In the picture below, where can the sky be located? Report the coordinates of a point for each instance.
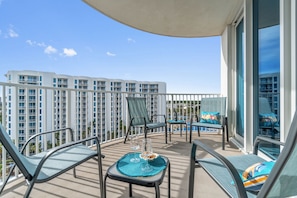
(269, 50)
(70, 37)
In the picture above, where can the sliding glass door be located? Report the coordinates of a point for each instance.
(268, 71)
(240, 79)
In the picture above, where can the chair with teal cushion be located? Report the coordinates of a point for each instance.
(47, 165)
(228, 171)
(139, 117)
(212, 115)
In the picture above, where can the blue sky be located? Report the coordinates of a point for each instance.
(70, 37)
(269, 54)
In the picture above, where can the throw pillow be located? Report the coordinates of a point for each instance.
(210, 117)
(254, 176)
(268, 120)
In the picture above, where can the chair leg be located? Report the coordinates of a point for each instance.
(198, 131)
(169, 180)
(227, 132)
(102, 192)
(30, 187)
(130, 190)
(223, 138)
(186, 132)
(7, 178)
(192, 171)
(157, 188)
(190, 133)
(127, 134)
(167, 135)
(104, 186)
(74, 172)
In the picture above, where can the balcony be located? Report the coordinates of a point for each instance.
(110, 125)
(86, 185)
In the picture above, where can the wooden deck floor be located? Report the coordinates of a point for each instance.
(87, 183)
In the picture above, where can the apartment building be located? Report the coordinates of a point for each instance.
(90, 106)
(270, 88)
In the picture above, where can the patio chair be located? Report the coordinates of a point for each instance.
(139, 117)
(226, 171)
(47, 165)
(267, 119)
(212, 115)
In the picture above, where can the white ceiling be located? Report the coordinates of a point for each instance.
(179, 18)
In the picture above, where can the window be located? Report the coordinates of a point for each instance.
(268, 36)
(240, 79)
(275, 79)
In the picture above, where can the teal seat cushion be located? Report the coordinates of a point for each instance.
(255, 175)
(155, 125)
(61, 160)
(208, 125)
(210, 117)
(268, 120)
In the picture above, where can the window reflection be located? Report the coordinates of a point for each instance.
(269, 73)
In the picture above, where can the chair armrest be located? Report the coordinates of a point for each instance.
(260, 139)
(43, 133)
(52, 151)
(241, 191)
(159, 115)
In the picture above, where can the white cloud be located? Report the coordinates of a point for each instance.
(50, 50)
(69, 52)
(41, 44)
(130, 40)
(30, 42)
(34, 43)
(12, 33)
(110, 54)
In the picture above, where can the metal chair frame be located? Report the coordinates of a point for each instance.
(47, 165)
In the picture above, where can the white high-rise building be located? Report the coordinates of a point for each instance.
(270, 88)
(34, 109)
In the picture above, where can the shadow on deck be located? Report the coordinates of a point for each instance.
(87, 183)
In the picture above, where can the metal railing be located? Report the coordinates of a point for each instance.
(30, 109)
